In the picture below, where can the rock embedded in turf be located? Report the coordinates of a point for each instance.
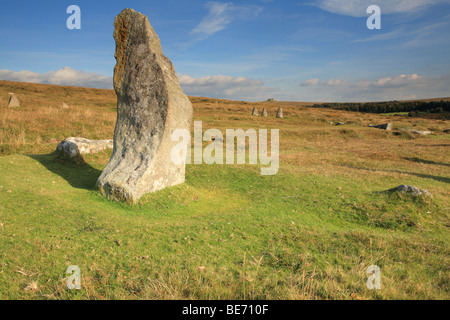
(13, 101)
(405, 189)
(280, 113)
(422, 133)
(386, 126)
(255, 112)
(74, 147)
(150, 106)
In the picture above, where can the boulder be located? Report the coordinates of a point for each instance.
(386, 126)
(280, 113)
(422, 133)
(13, 101)
(405, 189)
(255, 112)
(74, 147)
(150, 106)
(264, 112)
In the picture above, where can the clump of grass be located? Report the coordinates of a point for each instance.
(351, 134)
(404, 134)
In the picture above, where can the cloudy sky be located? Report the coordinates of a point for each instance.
(312, 50)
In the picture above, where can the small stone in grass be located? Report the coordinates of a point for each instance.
(32, 286)
(202, 269)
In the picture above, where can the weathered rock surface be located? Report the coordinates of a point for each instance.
(280, 113)
(405, 189)
(386, 126)
(264, 112)
(13, 101)
(422, 133)
(74, 147)
(255, 112)
(419, 132)
(150, 106)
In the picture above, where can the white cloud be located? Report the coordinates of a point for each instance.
(357, 8)
(227, 87)
(310, 83)
(330, 82)
(335, 82)
(65, 76)
(395, 81)
(398, 87)
(219, 86)
(220, 15)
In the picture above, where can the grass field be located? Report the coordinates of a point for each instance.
(309, 232)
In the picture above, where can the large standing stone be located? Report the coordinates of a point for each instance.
(255, 112)
(150, 106)
(280, 113)
(13, 101)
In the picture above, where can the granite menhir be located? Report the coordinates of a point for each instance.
(150, 106)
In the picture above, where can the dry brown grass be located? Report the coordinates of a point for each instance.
(308, 142)
(39, 124)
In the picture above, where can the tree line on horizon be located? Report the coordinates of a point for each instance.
(414, 108)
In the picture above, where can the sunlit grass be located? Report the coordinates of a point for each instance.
(309, 232)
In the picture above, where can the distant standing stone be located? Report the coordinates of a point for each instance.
(64, 105)
(13, 101)
(150, 106)
(280, 113)
(264, 112)
(255, 112)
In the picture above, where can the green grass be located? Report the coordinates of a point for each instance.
(228, 233)
(309, 232)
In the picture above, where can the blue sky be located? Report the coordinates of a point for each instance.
(313, 50)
